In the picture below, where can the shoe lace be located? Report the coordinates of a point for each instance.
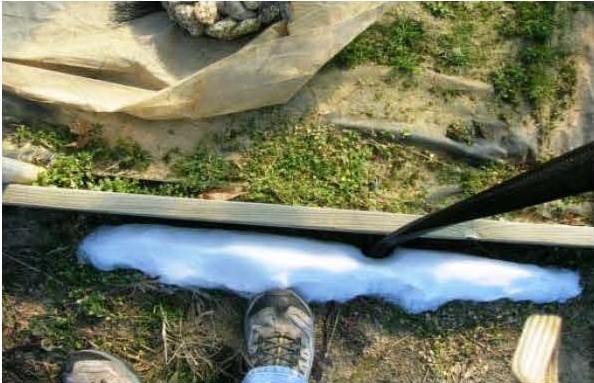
(279, 349)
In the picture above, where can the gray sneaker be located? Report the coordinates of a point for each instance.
(90, 366)
(279, 331)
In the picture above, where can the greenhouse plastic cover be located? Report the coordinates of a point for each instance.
(70, 54)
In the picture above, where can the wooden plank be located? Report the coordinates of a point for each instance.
(269, 215)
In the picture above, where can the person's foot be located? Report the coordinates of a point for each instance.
(279, 331)
(90, 366)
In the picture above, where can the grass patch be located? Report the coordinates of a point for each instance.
(75, 167)
(50, 136)
(398, 45)
(298, 163)
(473, 180)
(456, 49)
(203, 170)
(320, 165)
(126, 154)
(542, 73)
(309, 165)
(121, 312)
(440, 9)
(535, 21)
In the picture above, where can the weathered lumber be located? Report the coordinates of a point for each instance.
(19, 172)
(297, 217)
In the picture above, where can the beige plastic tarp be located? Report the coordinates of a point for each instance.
(72, 55)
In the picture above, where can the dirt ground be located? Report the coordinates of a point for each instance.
(53, 305)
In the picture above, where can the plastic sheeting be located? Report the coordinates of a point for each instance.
(71, 54)
(246, 263)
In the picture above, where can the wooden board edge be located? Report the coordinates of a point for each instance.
(297, 217)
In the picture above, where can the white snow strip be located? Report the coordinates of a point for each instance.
(248, 263)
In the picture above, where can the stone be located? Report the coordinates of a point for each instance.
(222, 29)
(246, 27)
(229, 29)
(183, 14)
(235, 10)
(206, 12)
(251, 5)
(273, 11)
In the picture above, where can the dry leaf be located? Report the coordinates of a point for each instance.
(227, 193)
(83, 130)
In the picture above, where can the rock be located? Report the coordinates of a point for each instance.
(183, 14)
(273, 11)
(222, 29)
(229, 29)
(225, 20)
(247, 26)
(251, 5)
(235, 10)
(206, 12)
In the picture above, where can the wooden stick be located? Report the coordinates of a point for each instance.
(297, 217)
(477, 152)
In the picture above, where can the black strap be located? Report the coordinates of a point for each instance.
(569, 174)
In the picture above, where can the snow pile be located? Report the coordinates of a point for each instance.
(246, 263)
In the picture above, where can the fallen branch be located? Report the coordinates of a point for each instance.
(480, 152)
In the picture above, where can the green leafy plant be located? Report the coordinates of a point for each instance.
(50, 136)
(542, 72)
(398, 44)
(129, 155)
(73, 171)
(202, 170)
(439, 9)
(535, 21)
(309, 165)
(456, 49)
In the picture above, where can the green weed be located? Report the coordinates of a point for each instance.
(73, 171)
(535, 21)
(202, 170)
(509, 83)
(474, 180)
(309, 165)
(440, 9)
(90, 303)
(456, 49)
(50, 136)
(542, 72)
(128, 154)
(398, 44)
(57, 331)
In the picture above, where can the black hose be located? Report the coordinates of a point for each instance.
(566, 175)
